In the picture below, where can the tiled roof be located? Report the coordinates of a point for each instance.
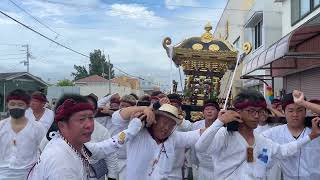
(93, 78)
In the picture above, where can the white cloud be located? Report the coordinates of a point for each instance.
(44, 9)
(119, 29)
(6, 21)
(173, 4)
(85, 2)
(58, 21)
(132, 11)
(60, 8)
(136, 12)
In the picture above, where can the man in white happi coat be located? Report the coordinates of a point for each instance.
(118, 126)
(202, 167)
(264, 124)
(202, 161)
(150, 154)
(99, 134)
(178, 168)
(106, 107)
(19, 139)
(38, 111)
(66, 156)
(243, 154)
(304, 164)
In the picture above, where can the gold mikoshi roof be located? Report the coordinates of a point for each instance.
(205, 48)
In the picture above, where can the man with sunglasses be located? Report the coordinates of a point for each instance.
(304, 164)
(244, 154)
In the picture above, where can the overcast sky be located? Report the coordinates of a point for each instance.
(130, 31)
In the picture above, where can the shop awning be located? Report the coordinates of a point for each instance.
(302, 43)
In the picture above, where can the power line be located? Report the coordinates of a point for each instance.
(11, 54)
(124, 72)
(149, 4)
(73, 5)
(68, 4)
(44, 35)
(125, 13)
(60, 43)
(12, 58)
(138, 77)
(13, 67)
(36, 19)
(4, 44)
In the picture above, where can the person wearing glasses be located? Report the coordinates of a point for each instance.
(244, 154)
(304, 164)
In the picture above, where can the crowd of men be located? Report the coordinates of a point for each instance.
(148, 138)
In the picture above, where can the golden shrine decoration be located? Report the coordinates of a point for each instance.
(204, 61)
(247, 47)
(207, 36)
(214, 47)
(197, 46)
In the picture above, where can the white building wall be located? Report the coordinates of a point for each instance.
(286, 18)
(55, 92)
(271, 33)
(236, 20)
(271, 29)
(99, 89)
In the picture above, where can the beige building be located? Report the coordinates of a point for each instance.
(293, 57)
(100, 86)
(230, 27)
(126, 81)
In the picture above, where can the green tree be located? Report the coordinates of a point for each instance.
(98, 66)
(65, 82)
(80, 73)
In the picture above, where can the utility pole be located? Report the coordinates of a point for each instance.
(4, 95)
(26, 62)
(28, 56)
(109, 77)
(102, 64)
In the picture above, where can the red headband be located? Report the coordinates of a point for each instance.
(39, 98)
(25, 99)
(247, 103)
(130, 102)
(284, 104)
(70, 107)
(315, 101)
(115, 101)
(211, 104)
(175, 101)
(154, 98)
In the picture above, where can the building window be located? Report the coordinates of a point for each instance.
(236, 43)
(316, 3)
(301, 8)
(258, 35)
(305, 7)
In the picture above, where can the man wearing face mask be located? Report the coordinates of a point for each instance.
(19, 138)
